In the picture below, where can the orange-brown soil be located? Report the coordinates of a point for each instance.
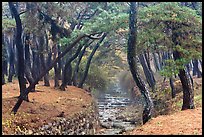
(176, 122)
(187, 122)
(44, 105)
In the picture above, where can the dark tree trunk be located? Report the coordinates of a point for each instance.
(45, 63)
(34, 71)
(15, 51)
(147, 58)
(4, 68)
(56, 77)
(188, 68)
(89, 62)
(196, 70)
(188, 93)
(173, 92)
(35, 66)
(156, 62)
(67, 73)
(160, 60)
(19, 46)
(11, 60)
(27, 50)
(200, 62)
(4, 60)
(131, 56)
(76, 69)
(26, 92)
(42, 60)
(28, 73)
(60, 63)
(149, 76)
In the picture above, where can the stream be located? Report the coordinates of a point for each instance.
(113, 111)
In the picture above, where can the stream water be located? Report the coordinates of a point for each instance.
(111, 103)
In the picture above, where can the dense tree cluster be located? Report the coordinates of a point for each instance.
(64, 40)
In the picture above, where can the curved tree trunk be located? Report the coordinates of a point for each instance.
(67, 73)
(19, 46)
(76, 69)
(187, 83)
(26, 92)
(89, 62)
(28, 73)
(131, 56)
(148, 74)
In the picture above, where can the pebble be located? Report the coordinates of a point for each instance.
(30, 132)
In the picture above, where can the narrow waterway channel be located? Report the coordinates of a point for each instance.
(112, 103)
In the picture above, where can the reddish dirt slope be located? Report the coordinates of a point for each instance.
(187, 122)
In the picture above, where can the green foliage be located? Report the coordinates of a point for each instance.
(155, 24)
(106, 22)
(97, 76)
(172, 67)
(8, 24)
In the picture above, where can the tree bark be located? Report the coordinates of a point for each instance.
(26, 92)
(76, 69)
(89, 62)
(187, 83)
(60, 63)
(42, 59)
(11, 59)
(28, 73)
(148, 74)
(156, 62)
(173, 92)
(196, 70)
(67, 73)
(131, 56)
(19, 46)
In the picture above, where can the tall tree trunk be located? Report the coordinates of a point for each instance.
(173, 92)
(131, 56)
(67, 73)
(156, 62)
(26, 92)
(149, 76)
(28, 73)
(4, 60)
(19, 46)
(89, 62)
(47, 62)
(188, 93)
(196, 70)
(76, 69)
(11, 59)
(60, 63)
(160, 60)
(42, 59)
(56, 76)
(147, 58)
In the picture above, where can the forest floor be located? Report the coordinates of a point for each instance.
(173, 121)
(48, 102)
(45, 105)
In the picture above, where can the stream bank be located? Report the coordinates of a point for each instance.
(119, 110)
